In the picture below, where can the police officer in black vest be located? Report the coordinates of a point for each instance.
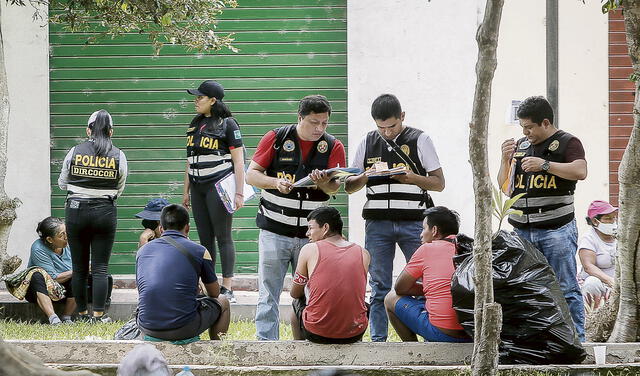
(395, 205)
(284, 156)
(545, 165)
(93, 174)
(214, 151)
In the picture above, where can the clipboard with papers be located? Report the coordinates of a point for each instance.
(226, 188)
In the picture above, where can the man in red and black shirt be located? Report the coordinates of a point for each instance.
(284, 156)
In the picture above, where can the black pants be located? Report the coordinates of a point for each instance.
(214, 225)
(91, 229)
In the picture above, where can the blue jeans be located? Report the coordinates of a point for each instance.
(559, 248)
(381, 237)
(275, 252)
(411, 312)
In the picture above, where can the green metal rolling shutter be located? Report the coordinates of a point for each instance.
(288, 49)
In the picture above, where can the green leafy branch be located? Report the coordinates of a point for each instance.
(502, 207)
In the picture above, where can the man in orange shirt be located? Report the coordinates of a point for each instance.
(431, 315)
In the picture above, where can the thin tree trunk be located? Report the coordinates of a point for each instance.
(626, 326)
(7, 206)
(488, 316)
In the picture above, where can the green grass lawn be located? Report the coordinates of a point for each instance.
(238, 330)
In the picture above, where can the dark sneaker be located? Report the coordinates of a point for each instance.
(84, 318)
(94, 320)
(228, 294)
(104, 319)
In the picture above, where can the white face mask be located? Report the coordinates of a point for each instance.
(608, 228)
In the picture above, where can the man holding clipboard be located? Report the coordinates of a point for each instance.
(284, 156)
(395, 201)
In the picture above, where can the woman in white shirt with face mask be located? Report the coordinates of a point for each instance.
(597, 251)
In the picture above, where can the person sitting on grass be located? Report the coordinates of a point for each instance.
(51, 253)
(167, 274)
(431, 315)
(329, 283)
(151, 220)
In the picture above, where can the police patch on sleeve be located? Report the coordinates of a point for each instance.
(206, 255)
(237, 134)
(554, 145)
(289, 145)
(323, 146)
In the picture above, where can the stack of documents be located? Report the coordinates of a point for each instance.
(380, 169)
(339, 173)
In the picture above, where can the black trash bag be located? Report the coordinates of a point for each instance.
(536, 325)
(129, 331)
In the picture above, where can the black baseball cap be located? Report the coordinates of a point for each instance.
(210, 88)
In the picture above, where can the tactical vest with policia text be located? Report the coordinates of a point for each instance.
(93, 175)
(286, 214)
(208, 152)
(548, 202)
(388, 198)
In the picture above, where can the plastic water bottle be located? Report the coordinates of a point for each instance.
(186, 371)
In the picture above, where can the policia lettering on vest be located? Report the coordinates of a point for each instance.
(545, 165)
(283, 156)
(214, 150)
(395, 205)
(93, 174)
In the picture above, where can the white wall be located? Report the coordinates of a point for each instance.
(26, 47)
(583, 83)
(425, 53)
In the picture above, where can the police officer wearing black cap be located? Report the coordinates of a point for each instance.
(93, 174)
(214, 150)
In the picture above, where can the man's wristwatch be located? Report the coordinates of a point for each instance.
(545, 166)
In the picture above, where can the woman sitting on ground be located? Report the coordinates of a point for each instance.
(51, 253)
(597, 251)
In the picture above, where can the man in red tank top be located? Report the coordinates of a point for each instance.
(431, 315)
(329, 283)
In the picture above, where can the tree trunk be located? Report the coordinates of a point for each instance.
(626, 326)
(488, 316)
(7, 206)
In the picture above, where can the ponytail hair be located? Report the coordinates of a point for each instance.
(100, 124)
(220, 110)
(48, 227)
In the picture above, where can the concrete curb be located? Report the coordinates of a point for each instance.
(255, 353)
(288, 353)
(573, 370)
(241, 282)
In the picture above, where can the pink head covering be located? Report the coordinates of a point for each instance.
(598, 207)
